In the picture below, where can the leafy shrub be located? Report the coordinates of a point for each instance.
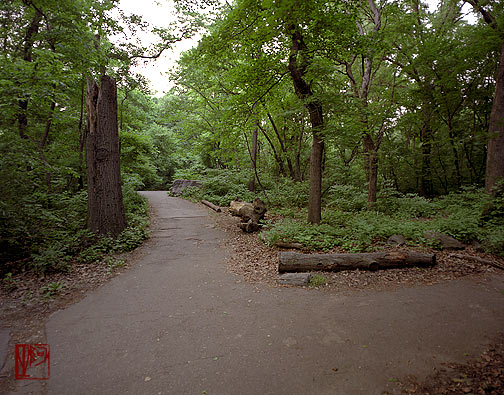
(50, 259)
(319, 237)
(404, 206)
(346, 198)
(222, 186)
(289, 193)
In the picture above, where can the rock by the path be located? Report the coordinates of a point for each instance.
(397, 240)
(179, 185)
(294, 279)
(446, 242)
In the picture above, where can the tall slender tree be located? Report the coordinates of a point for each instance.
(495, 154)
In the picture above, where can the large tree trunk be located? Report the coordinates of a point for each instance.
(297, 69)
(82, 136)
(317, 151)
(495, 154)
(106, 214)
(495, 151)
(296, 262)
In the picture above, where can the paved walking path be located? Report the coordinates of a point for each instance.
(179, 323)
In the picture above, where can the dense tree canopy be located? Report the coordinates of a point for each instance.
(387, 83)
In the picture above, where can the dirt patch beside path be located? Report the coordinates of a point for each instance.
(481, 375)
(258, 264)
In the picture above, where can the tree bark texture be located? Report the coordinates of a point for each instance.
(297, 262)
(106, 215)
(298, 63)
(495, 154)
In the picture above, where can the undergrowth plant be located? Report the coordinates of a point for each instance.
(58, 235)
(347, 222)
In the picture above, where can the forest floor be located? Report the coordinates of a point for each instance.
(26, 302)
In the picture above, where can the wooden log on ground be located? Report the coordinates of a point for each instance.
(211, 205)
(281, 244)
(297, 262)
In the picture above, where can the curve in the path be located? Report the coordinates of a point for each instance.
(179, 323)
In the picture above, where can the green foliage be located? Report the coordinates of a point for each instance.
(50, 290)
(10, 282)
(221, 187)
(457, 214)
(50, 259)
(346, 198)
(393, 202)
(113, 264)
(317, 237)
(317, 280)
(285, 192)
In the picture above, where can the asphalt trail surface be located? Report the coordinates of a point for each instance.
(178, 323)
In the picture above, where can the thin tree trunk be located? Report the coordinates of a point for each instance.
(253, 158)
(82, 137)
(426, 185)
(451, 134)
(299, 173)
(275, 154)
(106, 215)
(29, 40)
(297, 69)
(373, 178)
(495, 155)
(43, 142)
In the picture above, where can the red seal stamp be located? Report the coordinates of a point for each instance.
(32, 361)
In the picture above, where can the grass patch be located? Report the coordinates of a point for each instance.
(317, 280)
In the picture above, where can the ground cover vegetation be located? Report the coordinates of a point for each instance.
(352, 120)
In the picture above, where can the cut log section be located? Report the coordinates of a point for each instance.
(211, 205)
(297, 262)
(250, 213)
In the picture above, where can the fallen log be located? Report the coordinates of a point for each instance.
(297, 262)
(211, 205)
